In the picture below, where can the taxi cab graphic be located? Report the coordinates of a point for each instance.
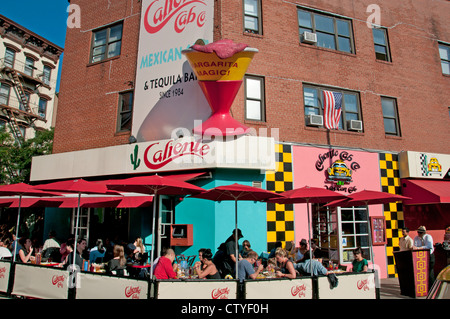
(339, 172)
(434, 166)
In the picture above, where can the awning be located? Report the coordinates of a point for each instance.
(71, 202)
(426, 191)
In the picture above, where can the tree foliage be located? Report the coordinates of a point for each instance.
(15, 159)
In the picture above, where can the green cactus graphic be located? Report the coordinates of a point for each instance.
(135, 161)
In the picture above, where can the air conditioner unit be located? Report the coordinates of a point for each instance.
(314, 120)
(354, 125)
(309, 37)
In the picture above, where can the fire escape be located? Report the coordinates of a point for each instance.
(21, 114)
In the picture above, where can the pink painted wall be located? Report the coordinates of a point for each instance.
(365, 175)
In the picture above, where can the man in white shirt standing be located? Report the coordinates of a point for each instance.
(425, 241)
(406, 242)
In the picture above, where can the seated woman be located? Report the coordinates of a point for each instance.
(360, 264)
(286, 266)
(118, 263)
(26, 250)
(210, 271)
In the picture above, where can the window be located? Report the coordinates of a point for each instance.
(4, 93)
(125, 111)
(10, 56)
(444, 52)
(252, 16)
(313, 96)
(332, 32)
(42, 109)
(340, 230)
(355, 232)
(254, 98)
(29, 66)
(106, 43)
(380, 41)
(390, 116)
(46, 74)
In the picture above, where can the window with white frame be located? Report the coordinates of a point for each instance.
(29, 66)
(333, 32)
(10, 56)
(380, 40)
(46, 74)
(4, 93)
(313, 104)
(390, 116)
(42, 108)
(252, 16)
(338, 231)
(444, 53)
(254, 98)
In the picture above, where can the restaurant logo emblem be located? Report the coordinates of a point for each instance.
(298, 290)
(132, 292)
(58, 281)
(2, 272)
(182, 12)
(430, 167)
(220, 293)
(159, 154)
(340, 171)
(365, 284)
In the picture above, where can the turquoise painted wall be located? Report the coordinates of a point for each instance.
(213, 222)
(57, 219)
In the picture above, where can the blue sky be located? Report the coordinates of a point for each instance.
(47, 18)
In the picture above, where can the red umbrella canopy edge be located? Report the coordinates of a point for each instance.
(75, 186)
(237, 192)
(154, 184)
(24, 189)
(308, 194)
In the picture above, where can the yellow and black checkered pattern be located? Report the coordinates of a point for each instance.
(393, 212)
(280, 217)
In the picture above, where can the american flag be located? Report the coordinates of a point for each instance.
(332, 107)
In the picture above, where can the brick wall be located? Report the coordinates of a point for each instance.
(88, 105)
(87, 109)
(414, 77)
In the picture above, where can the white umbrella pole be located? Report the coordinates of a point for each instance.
(75, 245)
(152, 254)
(17, 229)
(370, 235)
(236, 239)
(309, 234)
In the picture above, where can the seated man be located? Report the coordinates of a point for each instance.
(164, 268)
(304, 268)
(245, 268)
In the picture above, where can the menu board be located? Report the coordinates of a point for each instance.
(378, 226)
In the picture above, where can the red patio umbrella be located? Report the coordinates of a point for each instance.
(154, 185)
(22, 189)
(308, 195)
(366, 198)
(79, 186)
(237, 192)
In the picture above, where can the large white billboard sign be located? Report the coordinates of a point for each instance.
(167, 95)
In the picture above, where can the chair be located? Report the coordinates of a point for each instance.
(190, 260)
(180, 258)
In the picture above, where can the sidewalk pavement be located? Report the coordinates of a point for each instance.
(390, 289)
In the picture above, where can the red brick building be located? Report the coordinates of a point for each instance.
(412, 79)
(390, 62)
